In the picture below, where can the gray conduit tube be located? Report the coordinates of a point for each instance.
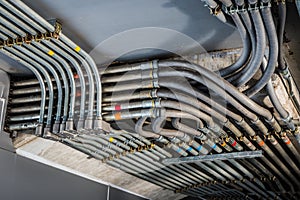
(27, 28)
(246, 48)
(247, 173)
(66, 87)
(71, 44)
(240, 177)
(49, 84)
(273, 53)
(248, 72)
(3, 37)
(228, 176)
(228, 87)
(280, 32)
(88, 149)
(55, 57)
(167, 82)
(285, 116)
(8, 32)
(189, 109)
(255, 120)
(12, 27)
(78, 69)
(94, 68)
(262, 172)
(42, 85)
(285, 156)
(197, 104)
(275, 158)
(54, 73)
(89, 119)
(139, 129)
(137, 156)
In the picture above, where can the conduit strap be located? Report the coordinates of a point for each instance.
(33, 38)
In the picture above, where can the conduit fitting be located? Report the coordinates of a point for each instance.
(279, 1)
(39, 130)
(265, 4)
(289, 122)
(260, 126)
(225, 146)
(56, 126)
(274, 124)
(162, 140)
(88, 124)
(46, 130)
(253, 5)
(69, 124)
(234, 144)
(80, 124)
(246, 127)
(285, 73)
(100, 124)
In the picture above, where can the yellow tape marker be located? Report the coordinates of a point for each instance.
(77, 48)
(51, 53)
(111, 139)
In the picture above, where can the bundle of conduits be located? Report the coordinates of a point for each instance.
(136, 115)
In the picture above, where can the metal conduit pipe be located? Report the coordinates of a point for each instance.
(172, 172)
(7, 32)
(277, 172)
(204, 177)
(78, 69)
(215, 80)
(240, 177)
(248, 72)
(75, 47)
(89, 120)
(291, 146)
(239, 183)
(283, 153)
(189, 109)
(242, 60)
(286, 117)
(175, 136)
(12, 27)
(94, 68)
(122, 162)
(262, 177)
(273, 52)
(247, 173)
(182, 97)
(216, 171)
(147, 142)
(56, 58)
(254, 119)
(266, 148)
(139, 130)
(53, 72)
(39, 126)
(280, 32)
(3, 37)
(197, 104)
(155, 165)
(134, 85)
(49, 84)
(58, 123)
(187, 129)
